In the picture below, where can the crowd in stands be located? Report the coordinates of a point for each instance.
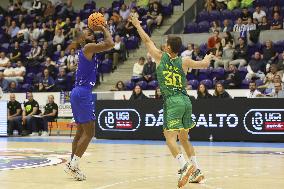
(36, 37)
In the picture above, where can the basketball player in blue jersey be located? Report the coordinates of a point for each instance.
(81, 96)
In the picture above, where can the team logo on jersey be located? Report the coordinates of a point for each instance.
(119, 120)
(264, 121)
(11, 159)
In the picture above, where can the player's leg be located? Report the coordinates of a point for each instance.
(187, 146)
(86, 137)
(173, 111)
(76, 139)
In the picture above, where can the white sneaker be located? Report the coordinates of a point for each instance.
(34, 134)
(75, 172)
(44, 133)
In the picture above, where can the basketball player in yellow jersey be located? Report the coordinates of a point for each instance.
(171, 71)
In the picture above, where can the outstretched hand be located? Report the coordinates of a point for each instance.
(207, 59)
(134, 20)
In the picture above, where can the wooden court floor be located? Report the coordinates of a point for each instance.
(137, 165)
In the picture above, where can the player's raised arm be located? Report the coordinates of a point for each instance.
(152, 49)
(189, 63)
(91, 48)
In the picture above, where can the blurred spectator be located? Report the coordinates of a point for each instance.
(37, 7)
(117, 51)
(220, 91)
(240, 54)
(16, 53)
(210, 5)
(119, 86)
(256, 67)
(226, 26)
(23, 34)
(202, 92)
(134, 12)
(4, 84)
(149, 69)
(72, 61)
(13, 30)
(158, 93)
(103, 11)
(253, 92)
(47, 81)
(233, 78)
(275, 9)
(14, 74)
(3, 61)
(67, 9)
(138, 68)
(239, 26)
(116, 17)
(137, 94)
(34, 32)
(269, 54)
(67, 28)
(62, 61)
(154, 15)
(258, 13)
(46, 51)
(227, 57)
(280, 63)
(227, 40)
(124, 12)
(79, 24)
(112, 27)
(50, 113)
(264, 25)
(250, 26)
(12, 87)
(49, 10)
(269, 78)
(18, 8)
(61, 80)
(50, 65)
(14, 116)
(49, 32)
(197, 55)
(31, 108)
(34, 55)
(276, 23)
(245, 15)
(279, 92)
(20, 20)
(188, 52)
(215, 26)
(58, 39)
(59, 24)
(213, 40)
(221, 5)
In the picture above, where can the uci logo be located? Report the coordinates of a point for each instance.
(264, 121)
(119, 120)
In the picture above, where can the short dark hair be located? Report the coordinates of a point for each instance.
(142, 58)
(175, 43)
(252, 81)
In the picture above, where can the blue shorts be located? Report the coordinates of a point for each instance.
(82, 105)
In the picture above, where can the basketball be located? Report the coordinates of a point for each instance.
(96, 19)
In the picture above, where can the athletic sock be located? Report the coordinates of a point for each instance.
(75, 161)
(194, 161)
(181, 160)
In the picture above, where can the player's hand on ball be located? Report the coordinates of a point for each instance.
(99, 28)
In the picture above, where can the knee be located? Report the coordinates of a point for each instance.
(183, 139)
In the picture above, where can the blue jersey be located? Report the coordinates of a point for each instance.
(86, 74)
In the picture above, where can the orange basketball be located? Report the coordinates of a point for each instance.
(96, 19)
